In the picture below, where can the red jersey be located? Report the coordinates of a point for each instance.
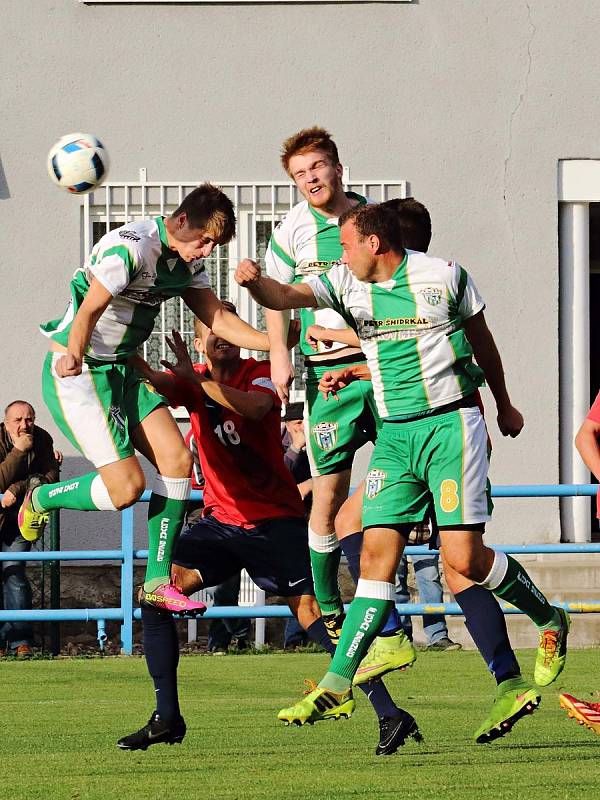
(594, 412)
(246, 480)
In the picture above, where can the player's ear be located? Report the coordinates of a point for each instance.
(339, 170)
(198, 345)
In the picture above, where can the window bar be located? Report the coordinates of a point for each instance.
(254, 223)
(87, 226)
(107, 208)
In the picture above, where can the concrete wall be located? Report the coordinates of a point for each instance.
(472, 103)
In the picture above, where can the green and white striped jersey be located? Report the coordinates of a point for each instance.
(410, 329)
(306, 243)
(135, 264)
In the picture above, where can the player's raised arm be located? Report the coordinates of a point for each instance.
(270, 293)
(209, 309)
(510, 420)
(94, 305)
(282, 369)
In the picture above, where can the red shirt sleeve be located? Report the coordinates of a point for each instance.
(594, 412)
(259, 380)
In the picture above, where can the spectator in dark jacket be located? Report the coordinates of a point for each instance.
(25, 451)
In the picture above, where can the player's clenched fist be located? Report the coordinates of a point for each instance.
(68, 366)
(247, 272)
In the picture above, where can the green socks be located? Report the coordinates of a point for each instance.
(166, 513)
(86, 493)
(325, 556)
(510, 581)
(366, 616)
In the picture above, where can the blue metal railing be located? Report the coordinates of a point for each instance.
(126, 556)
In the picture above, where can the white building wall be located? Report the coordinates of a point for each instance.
(472, 103)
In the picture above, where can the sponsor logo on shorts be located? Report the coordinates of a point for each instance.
(117, 417)
(325, 434)
(374, 482)
(432, 295)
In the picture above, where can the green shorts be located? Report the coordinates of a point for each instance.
(98, 409)
(336, 429)
(442, 459)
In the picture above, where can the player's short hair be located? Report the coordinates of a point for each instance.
(414, 221)
(375, 219)
(19, 403)
(207, 207)
(306, 140)
(199, 325)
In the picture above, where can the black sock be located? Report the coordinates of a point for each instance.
(351, 547)
(375, 690)
(161, 648)
(486, 623)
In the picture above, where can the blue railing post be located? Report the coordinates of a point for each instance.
(127, 581)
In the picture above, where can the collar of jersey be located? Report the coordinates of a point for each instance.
(327, 220)
(392, 281)
(162, 232)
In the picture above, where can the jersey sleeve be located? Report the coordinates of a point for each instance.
(469, 301)
(279, 259)
(114, 265)
(594, 412)
(259, 380)
(331, 288)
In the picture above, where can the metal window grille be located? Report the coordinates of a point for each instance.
(258, 207)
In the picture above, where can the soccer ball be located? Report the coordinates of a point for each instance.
(78, 163)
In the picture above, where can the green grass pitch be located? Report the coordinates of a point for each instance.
(61, 719)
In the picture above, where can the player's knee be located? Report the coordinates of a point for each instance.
(128, 492)
(179, 463)
(348, 520)
(468, 566)
(307, 611)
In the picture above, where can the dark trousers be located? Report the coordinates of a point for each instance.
(16, 589)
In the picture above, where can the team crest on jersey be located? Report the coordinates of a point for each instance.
(374, 482)
(325, 434)
(432, 295)
(116, 415)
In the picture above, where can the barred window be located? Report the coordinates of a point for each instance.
(258, 207)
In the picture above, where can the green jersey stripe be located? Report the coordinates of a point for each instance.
(279, 251)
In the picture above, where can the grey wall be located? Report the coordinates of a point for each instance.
(473, 103)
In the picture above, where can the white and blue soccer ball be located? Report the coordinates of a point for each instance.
(78, 163)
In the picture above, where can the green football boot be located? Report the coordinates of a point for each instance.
(514, 699)
(386, 654)
(318, 704)
(552, 652)
(31, 523)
